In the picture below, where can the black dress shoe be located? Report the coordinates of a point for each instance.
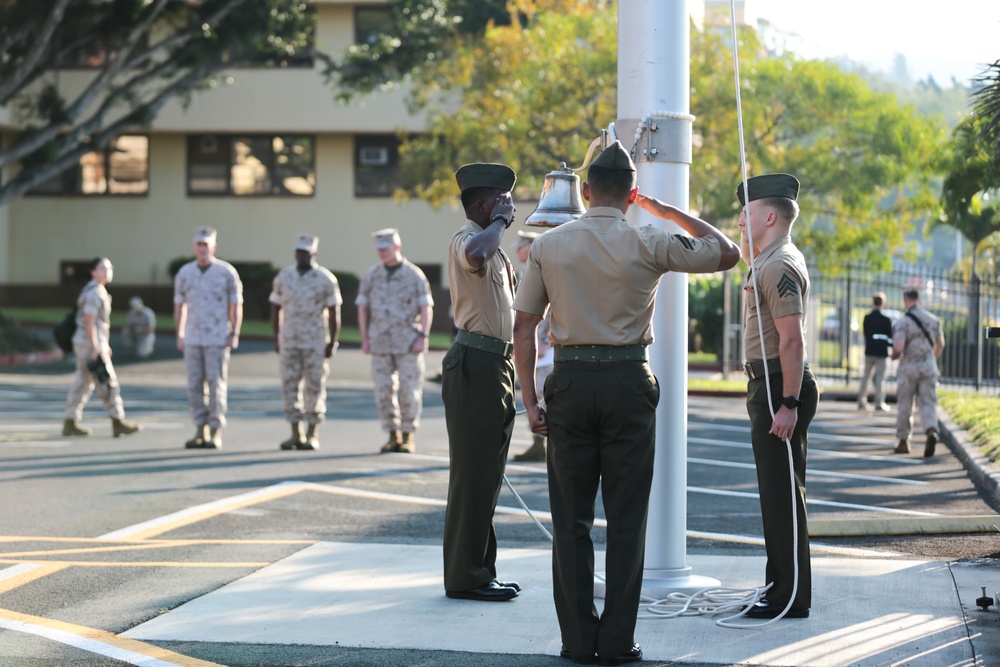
(491, 592)
(634, 655)
(766, 609)
(508, 584)
(578, 659)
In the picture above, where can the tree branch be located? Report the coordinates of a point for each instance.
(29, 63)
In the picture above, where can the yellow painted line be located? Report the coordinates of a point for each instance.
(98, 642)
(29, 572)
(164, 524)
(98, 540)
(91, 563)
(935, 525)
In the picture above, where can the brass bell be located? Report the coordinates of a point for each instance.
(560, 201)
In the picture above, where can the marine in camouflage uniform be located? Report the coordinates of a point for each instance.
(139, 332)
(395, 307)
(916, 341)
(90, 346)
(305, 315)
(208, 311)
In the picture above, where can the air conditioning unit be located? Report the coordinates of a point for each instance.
(373, 156)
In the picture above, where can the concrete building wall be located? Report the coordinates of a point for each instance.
(142, 234)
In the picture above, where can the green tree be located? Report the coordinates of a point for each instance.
(987, 104)
(526, 93)
(143, 54)
(865, 161)
(971, 186)
(528, 111)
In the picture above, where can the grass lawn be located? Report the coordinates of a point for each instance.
(979, 415)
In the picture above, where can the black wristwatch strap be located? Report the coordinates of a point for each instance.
(498, 216)
(791, 402)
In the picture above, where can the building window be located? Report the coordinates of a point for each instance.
(121, 168)
(370, 22)
(376, 165)
(251, 165)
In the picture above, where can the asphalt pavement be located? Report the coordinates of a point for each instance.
(364, 594)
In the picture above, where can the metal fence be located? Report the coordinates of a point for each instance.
(837, 306)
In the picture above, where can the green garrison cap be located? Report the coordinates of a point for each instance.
(614, 157)
(769, 185)
(485, 175)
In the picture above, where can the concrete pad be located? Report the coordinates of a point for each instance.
(865, 611)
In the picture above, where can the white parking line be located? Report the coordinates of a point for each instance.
(815, 473)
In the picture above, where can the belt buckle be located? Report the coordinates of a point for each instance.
(748, 369)
(508, 350)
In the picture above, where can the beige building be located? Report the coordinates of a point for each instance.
(263, 159)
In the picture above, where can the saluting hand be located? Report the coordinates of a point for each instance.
(504, 207)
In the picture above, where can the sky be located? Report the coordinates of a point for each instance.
(942, 38)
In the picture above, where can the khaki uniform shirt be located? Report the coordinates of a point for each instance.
(95, 301)
(783, 282)
(394, 301)
(305, 300)
(207, 295)
(600, 275)
(918, 353)
(481, 298)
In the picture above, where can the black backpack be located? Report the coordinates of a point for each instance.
(63, 332)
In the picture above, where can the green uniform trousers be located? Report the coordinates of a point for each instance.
(775, 488)
(602, 425)
(478, 392)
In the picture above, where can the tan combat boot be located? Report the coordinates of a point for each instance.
(903, 447)
(534, 453)
(199, 439)
(312, 440)
(70, 427)
(296, 440)
(214, 439)
(932, 439)
(407, 445)
(393, 444)
(120, 427)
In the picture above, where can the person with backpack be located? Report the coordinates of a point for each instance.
(93, 357)
(917, 342)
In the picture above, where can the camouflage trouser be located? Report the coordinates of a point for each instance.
(84, 384)
(923, 387)
(140, 345)
(207, 374)
(308, 368)
(399, 382)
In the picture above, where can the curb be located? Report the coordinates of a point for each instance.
(29, 358)
(979, 468)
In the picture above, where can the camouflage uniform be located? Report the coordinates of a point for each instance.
(394, 299)
(917, 373)
(207, 294)
(139, 320)
(95, 301)
(305, 300)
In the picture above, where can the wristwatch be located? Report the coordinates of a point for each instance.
(790, 402)
(498, 216)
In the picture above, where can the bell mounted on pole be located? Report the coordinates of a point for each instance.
(560, 201)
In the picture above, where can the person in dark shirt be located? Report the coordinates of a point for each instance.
(878, 343)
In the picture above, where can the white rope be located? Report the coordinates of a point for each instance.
(724, 622)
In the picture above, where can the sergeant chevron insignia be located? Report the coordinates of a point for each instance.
(787, 285)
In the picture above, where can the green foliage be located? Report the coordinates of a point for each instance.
(864, 160)
(705, 311)
(528, 111)
(987, 105)
(971, 185)
(16, 340)
(978, 415)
